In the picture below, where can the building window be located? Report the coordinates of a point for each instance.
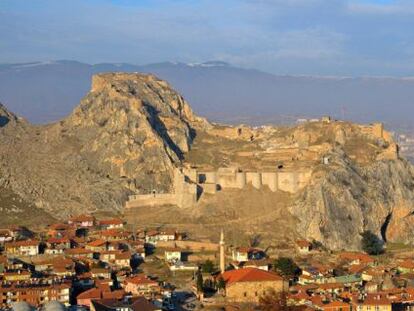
(245, 294)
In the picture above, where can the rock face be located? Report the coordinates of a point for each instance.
(125, 137)
(131, 131)
(336, 207)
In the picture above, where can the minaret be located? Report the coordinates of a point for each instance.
(222, 255)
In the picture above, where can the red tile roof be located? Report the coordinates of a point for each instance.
(82, 218)
(376, 300)
(303, 243)
(249, 275)
(356, 256)
(22, 243)
(140, 280)
(97, 243)
(113, 221)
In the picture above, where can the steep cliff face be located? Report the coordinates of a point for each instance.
(135, 127)
(349, 199)
(131, 130)
(124, 137)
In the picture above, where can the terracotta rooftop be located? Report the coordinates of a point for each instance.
(356, 256)
(249, 275)
(97, 243)
(140, 280)
(22, 243)
(376, 300)
(303, 243)
(113, 221)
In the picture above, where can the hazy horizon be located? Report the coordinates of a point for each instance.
(290, 37)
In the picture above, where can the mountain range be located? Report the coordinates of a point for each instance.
(48, 91)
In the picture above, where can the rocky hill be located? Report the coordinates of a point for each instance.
(131, 131)
(124, 137)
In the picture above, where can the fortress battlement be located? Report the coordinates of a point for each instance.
(189, 184)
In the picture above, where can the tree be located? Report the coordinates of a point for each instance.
(274, 301)
(199, 282)
(286, 267)
(208, 266)
(221, 284)
(371, 244)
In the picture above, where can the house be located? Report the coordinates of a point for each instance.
(334, 306)
(57, 245)
(34, 293)
(98, 245)
(172, 255)
(115, 234)
(128, 304)
(406, 266)
(242, 254)
(22, 248)
(19, 275)
(85, 298)
(153, 236)
(79, 253)
(113, 223)
(262, 264)
(100, 273)
(107, 256)
(356, 258)
(59, 230)
(248, 285)
(375, 302)
(6, 235)
(141, 285)
(82, 221)
(303, 246)
(123, 259)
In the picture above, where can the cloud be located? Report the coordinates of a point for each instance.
(347, 37)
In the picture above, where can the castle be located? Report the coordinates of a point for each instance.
(189, 184)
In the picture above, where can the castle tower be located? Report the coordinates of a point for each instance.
(222, 255)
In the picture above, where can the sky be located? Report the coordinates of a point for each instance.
(309, 37)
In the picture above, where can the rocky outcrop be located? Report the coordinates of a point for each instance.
(125, 137)
(131, 131)
(349, 199)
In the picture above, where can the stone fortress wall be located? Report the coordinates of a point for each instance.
(377, 130)
(234, 178)
(189, 184)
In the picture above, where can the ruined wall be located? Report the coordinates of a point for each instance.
(151, 200)
(226, 177)
(293, 181)
(241, 180)
(183, 195)
(210, 188)
(255, 179)
(270, 179)
(186, 182)
(207, 177)
(185, 189)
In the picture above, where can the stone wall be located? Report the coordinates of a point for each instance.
(232, 178)
(151, 200)
(252, 291)
(270, 179)
(187, 181)
(183, 195)
(189, 245)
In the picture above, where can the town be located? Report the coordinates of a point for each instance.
(87, 263)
